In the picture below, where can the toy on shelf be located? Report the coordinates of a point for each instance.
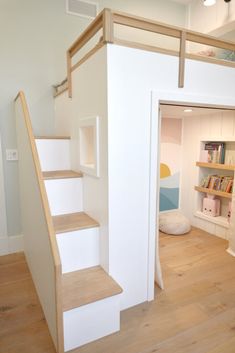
(211, 206)
(214, 152)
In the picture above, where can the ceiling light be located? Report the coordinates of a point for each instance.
(209, 2)
(188, 110)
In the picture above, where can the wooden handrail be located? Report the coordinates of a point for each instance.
(47, 232)
(182, 58)
(108, 18)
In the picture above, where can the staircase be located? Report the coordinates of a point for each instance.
(90, 297)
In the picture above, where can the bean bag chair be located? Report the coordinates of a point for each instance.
(174, 223)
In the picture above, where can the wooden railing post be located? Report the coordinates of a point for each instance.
(182, 59)
(69, 73)
(107, 26)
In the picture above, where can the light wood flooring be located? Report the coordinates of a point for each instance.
(194, 314)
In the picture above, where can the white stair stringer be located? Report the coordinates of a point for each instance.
(90, 322)
(90, 298)
(54, 154)
(79, 249)
(65, 195)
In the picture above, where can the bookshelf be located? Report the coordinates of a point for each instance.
(213, 192)
(210, 168)
(220, 221)
(215, 166)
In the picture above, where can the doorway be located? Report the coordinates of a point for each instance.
(196, 129)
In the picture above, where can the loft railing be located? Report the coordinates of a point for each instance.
(106, 22)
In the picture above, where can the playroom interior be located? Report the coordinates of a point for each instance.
(197, 157)
(93, 182)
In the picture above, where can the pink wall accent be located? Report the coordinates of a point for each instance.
(171, 130)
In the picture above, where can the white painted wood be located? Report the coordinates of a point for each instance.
(154, 202)
(90, 99)
(216, 20)
(221, 221)
(231, 252)
(231, 230)
(125, 120)
(228, 124)
(62, 114)
(37, 245)
(54, 154)
(91, 322)
(65, 195)
(89, 146)
(216, 126)
(4, 247)
(79, 249)
(129, 149)
(3, 215)
(11, 244)
(221, 232)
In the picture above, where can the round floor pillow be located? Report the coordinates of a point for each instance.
(174, 223)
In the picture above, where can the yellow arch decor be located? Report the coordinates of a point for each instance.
(164, 171)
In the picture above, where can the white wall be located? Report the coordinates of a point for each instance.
(215, 19)
(132, 76)
(34, 37)
(90, 100)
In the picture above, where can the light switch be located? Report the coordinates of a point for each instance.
(12, 155)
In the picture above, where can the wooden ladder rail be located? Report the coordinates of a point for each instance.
(103, 21)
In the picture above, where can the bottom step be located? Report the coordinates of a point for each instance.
(91, 305)
(90, 322)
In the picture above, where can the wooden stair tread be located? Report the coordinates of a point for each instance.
(61, 174)
(87, 286)
(52, 137)
(73, 221)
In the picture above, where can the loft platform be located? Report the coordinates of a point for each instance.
(109, 20)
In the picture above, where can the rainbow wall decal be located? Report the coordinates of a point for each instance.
(170, 163)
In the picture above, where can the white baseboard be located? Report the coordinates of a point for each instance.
(231, 252)
(11, 244)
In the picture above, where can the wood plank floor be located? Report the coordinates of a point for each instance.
(194, 314)
(22, 324)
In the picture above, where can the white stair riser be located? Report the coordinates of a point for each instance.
(91, 322)
(54, 154)
(79, 249)
(64, 195)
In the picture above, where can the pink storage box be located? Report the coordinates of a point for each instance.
(211, 206)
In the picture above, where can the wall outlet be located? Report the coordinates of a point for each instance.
(12, 155)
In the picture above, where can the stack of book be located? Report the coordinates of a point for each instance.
(216, 182)
(214, 152)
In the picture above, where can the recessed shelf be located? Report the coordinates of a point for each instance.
(89, 146)
(215, 166)
(213, 192)
(221, 221)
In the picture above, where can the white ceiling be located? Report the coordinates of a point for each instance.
(177, 112)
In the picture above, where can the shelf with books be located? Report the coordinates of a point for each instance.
(216, 166)
(215, 175)
(213, 192)
(213, 152)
